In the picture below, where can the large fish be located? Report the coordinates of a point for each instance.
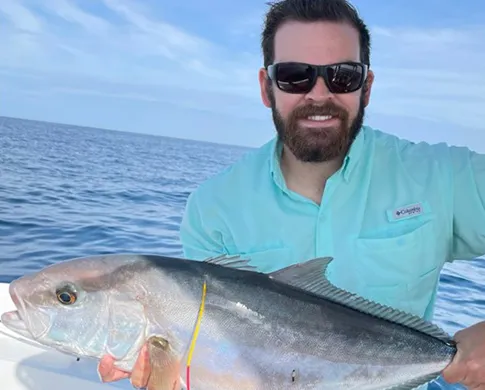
(223, 326)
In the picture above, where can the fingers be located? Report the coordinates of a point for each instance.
(164, 366)
(108, 372)
(466, 371)
(141, 369)
(139, 377)
(475, 386)
(453, 373)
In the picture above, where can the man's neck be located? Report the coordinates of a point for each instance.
(307, 179)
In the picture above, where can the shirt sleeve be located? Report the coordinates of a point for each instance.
(199, 239)
(468, 182)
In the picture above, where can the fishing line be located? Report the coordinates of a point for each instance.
(194, 335)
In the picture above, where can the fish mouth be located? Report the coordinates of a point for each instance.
(14, 322)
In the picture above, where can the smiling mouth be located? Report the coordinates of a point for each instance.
(319, 117)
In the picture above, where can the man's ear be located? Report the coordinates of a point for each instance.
(367, 88)
(264, 86)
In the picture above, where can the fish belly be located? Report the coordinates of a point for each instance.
(231, 366)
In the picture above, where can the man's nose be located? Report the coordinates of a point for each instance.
(319, 91)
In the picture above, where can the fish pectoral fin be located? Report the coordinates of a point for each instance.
(165, 365)
(310, 276)
(127, 324)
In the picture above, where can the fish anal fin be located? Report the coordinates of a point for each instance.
(310, 276)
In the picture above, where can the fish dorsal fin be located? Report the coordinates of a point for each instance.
(231, 261)
(310, 276)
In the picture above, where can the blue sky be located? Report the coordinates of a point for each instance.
(189, 69)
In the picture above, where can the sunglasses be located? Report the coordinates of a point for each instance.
(298, 77)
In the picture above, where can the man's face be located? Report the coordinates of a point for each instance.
(298, 117)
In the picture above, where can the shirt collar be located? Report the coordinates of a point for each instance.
(350, 162)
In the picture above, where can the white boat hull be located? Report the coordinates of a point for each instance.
(25, 365)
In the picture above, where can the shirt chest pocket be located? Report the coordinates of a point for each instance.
(402, 268)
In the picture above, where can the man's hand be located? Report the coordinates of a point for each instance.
(139, 376)
(468, 366)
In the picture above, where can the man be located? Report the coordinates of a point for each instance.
(390, 212)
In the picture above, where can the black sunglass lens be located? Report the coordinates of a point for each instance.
(345, 78)
(294, 77)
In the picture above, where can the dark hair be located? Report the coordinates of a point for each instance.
(311, 11)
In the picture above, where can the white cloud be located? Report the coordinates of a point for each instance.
(433, 36)
(142, 50)
(434, 74)
(71, 13)
(130, 52)
(248, 26)
(20, 16)
(173, 40)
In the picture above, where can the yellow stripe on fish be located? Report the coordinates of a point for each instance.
(195, 334)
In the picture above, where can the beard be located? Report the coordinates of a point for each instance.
(318, 144)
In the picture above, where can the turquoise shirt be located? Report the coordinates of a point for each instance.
(391, 217)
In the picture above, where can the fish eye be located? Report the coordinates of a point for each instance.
(66, 295)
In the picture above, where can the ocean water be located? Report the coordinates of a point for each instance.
(68, 191)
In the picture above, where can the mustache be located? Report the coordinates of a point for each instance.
(326, 109)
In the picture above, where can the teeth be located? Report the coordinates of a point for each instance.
(320, 117)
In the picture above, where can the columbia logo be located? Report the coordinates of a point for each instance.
(408, 211)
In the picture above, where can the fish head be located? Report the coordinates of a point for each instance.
(85, 307)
